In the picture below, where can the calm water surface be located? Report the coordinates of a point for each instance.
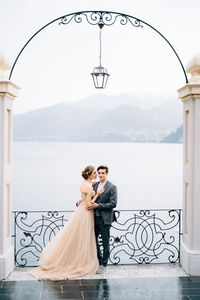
(47, 176)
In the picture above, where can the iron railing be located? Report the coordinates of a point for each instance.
(138, 236)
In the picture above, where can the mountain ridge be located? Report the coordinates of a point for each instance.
(83, 122)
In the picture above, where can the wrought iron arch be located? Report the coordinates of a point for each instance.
(107, 18)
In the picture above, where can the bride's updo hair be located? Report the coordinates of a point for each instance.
(87, 172)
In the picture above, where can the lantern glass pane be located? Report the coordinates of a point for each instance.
(105, 80)
(100, 80)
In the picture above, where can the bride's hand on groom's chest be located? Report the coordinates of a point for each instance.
(105, 193)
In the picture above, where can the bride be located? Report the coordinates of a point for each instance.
(72, 252)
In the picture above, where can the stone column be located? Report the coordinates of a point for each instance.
(190, 96)
(8, 92)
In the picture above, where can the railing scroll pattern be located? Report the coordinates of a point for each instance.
(138, 236)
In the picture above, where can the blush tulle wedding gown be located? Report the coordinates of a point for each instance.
(72, 252)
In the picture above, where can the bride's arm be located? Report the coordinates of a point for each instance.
(88, 199)
(97, 195)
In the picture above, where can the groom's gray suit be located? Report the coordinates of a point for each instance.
(104, 217)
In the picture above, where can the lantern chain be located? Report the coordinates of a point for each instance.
(100, 46)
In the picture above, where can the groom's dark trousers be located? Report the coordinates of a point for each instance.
(103, 219)
(104, 232)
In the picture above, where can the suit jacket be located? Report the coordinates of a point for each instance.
(107, 201)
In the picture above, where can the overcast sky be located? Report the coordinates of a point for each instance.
(55, 67)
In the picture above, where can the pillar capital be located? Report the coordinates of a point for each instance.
(8, 88)
(191, 91)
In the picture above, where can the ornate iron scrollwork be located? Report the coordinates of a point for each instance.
(143, 236)
(107, 18)
(33, 231)
(146, 236)
(103, 17)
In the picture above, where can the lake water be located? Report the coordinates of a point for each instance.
(47, 175)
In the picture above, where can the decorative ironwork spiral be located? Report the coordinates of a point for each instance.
(32, 234)
(147, 237)
(105, 18)
(142, 236)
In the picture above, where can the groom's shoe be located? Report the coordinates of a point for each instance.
(100, 270)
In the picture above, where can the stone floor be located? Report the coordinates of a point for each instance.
(148, 282)
(163, 288)
(118, 271)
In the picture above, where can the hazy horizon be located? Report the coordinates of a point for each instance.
(142, 101)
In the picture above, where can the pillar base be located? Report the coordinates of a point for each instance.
(7, 263)
(190, 260)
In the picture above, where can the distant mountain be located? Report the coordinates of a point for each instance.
(99, 121)
(101, 102)
(174, 137)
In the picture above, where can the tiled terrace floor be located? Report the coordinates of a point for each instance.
(165, 288)
(171, 286)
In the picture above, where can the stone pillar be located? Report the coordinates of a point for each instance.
(8, 92)
(190, 96)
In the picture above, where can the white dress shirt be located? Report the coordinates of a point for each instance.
(101, 185)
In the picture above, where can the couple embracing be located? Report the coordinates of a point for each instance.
(75, 250)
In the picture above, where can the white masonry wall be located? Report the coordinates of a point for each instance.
(190, 96)
(8, 92)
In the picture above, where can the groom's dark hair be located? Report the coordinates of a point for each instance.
(102, 167)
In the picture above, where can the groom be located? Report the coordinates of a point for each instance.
(103, 211)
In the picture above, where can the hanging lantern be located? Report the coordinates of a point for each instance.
(100, 74)
(100, 77)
